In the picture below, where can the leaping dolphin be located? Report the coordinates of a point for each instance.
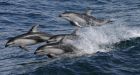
(83, 19)
(63, 37)
(33, 36)
(55, 49)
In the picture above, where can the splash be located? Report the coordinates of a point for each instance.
(94, 39)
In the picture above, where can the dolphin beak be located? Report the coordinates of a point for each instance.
(35, 52)
(6, 45)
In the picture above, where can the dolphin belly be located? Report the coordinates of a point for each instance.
(25, 42)
(50, 51)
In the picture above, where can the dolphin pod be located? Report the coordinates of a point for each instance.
(55, 44)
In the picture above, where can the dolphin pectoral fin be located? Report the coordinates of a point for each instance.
(51, 55)
(77, 24)
(23, 47)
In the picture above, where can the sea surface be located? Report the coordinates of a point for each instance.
(111, 49)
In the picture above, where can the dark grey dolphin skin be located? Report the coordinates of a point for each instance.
(83, 19)
(54, 49)
(63, 37)
(33, 36)
(58, 45)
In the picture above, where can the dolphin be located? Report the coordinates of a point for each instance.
(55, 49)
(83, 19)
(32, 37)
(63, 37)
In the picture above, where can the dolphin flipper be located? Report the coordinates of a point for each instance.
(23, 47)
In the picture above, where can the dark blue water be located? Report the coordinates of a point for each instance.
(120, 54)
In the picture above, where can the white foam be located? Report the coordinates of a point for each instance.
(94, 39)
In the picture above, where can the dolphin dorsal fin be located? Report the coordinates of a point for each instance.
(88, 12)
(61, 41)
(33, 29)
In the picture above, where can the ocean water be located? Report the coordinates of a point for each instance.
(112, 49)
